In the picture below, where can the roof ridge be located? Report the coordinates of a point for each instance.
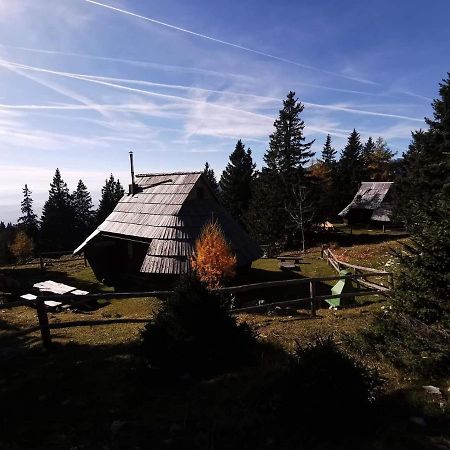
(142, 175)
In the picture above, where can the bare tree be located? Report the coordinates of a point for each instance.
(300, 209)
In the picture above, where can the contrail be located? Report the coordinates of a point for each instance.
(169, 67)
(231, 44)
(178, 98)
(58, 89)
(133, 62)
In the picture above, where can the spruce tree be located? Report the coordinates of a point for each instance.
(350, 168)
(273, 211)
(112, 192)
(84, 216)
(422, 287)
(426, 165)
(211, 177)
(329, 154)
(236, 181)
(57, 222)
(380, 162)
(288, 152)
(366, 157)
(28, 221)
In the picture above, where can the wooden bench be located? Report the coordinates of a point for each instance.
(288, 262)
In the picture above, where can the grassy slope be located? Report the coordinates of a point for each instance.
(91, 391)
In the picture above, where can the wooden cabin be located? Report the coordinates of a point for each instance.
(150, 236)
(371, 204)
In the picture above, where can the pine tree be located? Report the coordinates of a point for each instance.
(236, 181)
(287, 151)
(84, 216)
(269, 217)
(329, 154)
(350, 168)
(28, 221)
(112, 192)
(366, 157)
(379, 162)
(57, 222)
(422, 287)
(426, 166)
(211, 177)
(324, 172)
(5, 241)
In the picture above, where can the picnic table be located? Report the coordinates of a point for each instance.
(53, 288)
(289, 261)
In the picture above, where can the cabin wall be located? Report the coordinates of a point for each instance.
(359, 216)
(113, 259)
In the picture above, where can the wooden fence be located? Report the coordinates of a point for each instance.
(313, 301)
(363, 272)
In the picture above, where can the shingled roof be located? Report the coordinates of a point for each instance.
(167, 213)
(372, 196)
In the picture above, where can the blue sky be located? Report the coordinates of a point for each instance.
(81, 83)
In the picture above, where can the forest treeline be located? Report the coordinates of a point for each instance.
(293, 192)
(67, 219)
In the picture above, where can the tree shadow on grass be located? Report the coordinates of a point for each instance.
(347, 239)
(102, 396)
(83, 396)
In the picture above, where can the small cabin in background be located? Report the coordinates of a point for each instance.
(150, 236)
(371, 204)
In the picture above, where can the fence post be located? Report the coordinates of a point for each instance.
(391, 280)
(41, 262)
(43, 322)
(312, 293)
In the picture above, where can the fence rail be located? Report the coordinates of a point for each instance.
(75, 300)
(364, 272)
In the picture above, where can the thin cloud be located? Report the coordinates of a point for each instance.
(60, 90)
(134, 62)
(175, 68)
(216, 105)
(231, 44)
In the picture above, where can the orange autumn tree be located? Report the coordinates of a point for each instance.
(213, 259)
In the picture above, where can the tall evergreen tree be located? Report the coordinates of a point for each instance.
(288, 152)
(7, 234)
(57, 222)
(28, 221)
(236, 181)
(426, 165)
(112, 192)
(380, 162)
(211, 177)
(275, 201)
(329, 154)
(84, 215)
(350, 168)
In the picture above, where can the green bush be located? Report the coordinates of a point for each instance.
(326, 388)
(406, 343)
(422, 288)
(193, 335)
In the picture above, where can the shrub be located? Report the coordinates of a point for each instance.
(326, 388)
(422, 287)
(213, 260)
(193, 334)
(405, 343)
(22, 247)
